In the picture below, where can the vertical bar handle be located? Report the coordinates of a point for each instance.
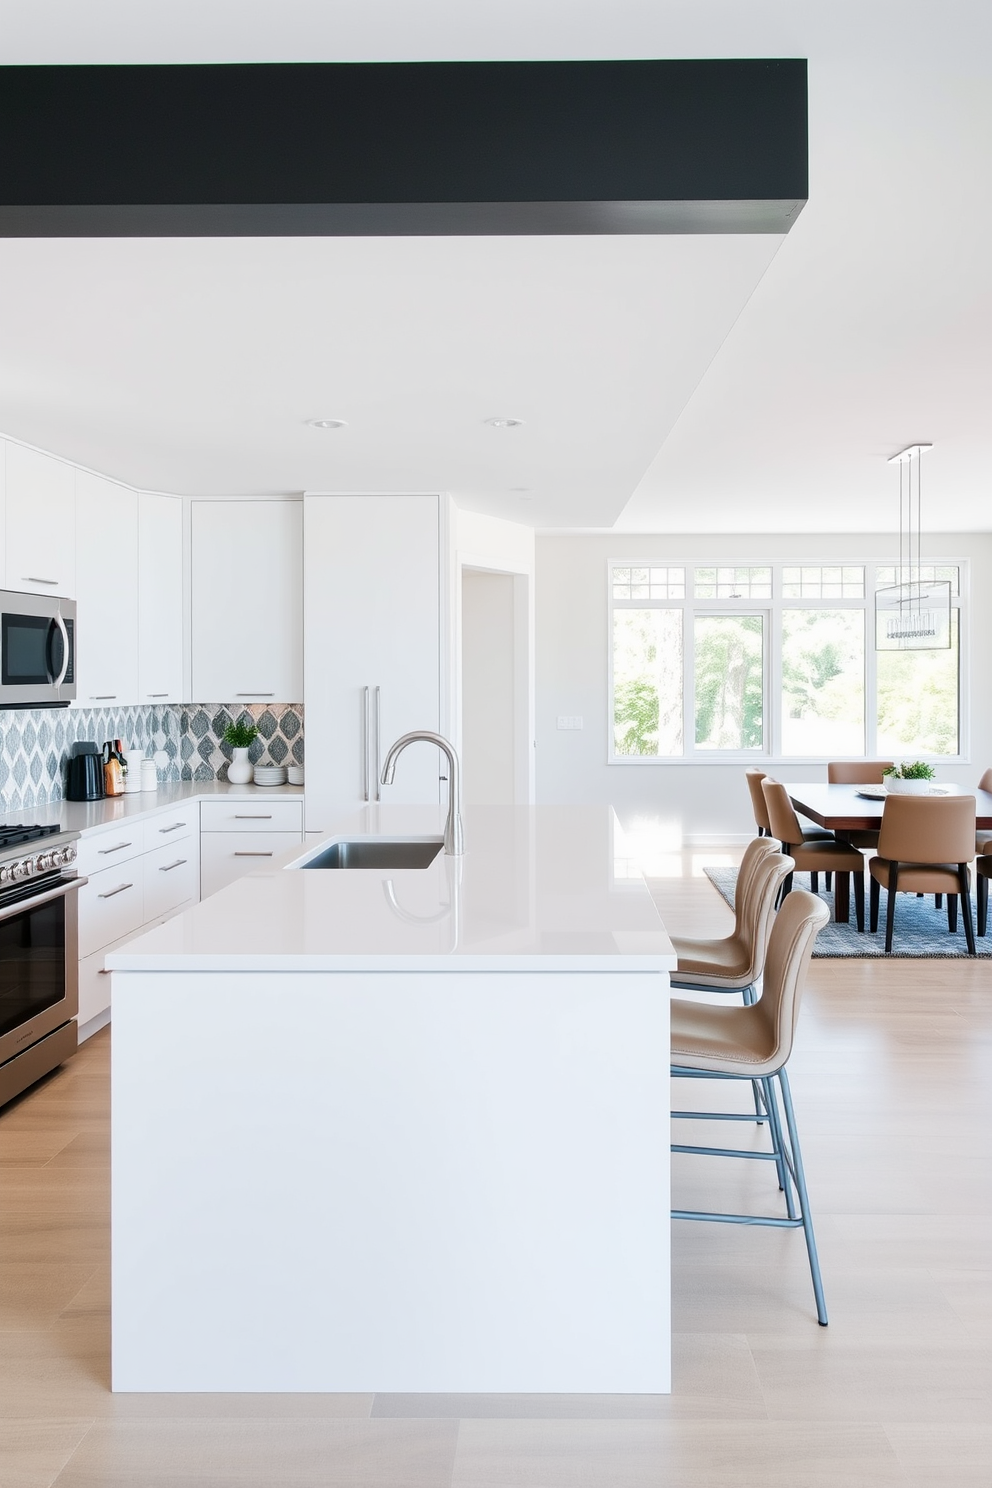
(378, 749)
(365, 743)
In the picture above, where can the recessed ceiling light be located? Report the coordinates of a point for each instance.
(327, 423)
(503, 423)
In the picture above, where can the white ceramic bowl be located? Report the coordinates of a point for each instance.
(908, 787)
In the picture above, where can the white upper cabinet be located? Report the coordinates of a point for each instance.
(160, 599)
(247, 601)
(106, 592)
(40, 523)
(373, 649)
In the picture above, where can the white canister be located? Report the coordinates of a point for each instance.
(132, 781)
(149, 775)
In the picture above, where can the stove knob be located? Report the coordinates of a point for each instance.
(67, 854)
(44, 861)
(5, 874)
(28, 866)
(19, 870)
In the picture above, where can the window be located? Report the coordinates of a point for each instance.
(774, 661)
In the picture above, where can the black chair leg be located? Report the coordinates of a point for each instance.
(890, 911)
(814, 881)
(969, 933)
(983, 903)
(828, 880)
(952, 913)
(873, 903)
(859, 900)
(938, 900)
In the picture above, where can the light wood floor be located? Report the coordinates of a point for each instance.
(893, 1086)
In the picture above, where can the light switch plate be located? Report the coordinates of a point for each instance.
(570, 721)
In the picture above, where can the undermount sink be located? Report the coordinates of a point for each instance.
(377, 852)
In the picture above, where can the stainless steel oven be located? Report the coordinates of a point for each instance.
(37, 650)
(39, 955)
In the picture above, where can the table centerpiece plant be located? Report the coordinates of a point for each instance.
(909, 779)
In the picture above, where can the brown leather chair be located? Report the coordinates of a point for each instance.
(858, 772)
(734, 963)
(753, 1044)
(824, 857)
(924, 847)
(983, 840)
(754, 778)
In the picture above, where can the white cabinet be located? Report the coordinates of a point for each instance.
(239, 836)
(106, 592)
(40, 523)
(247, 601)
(160, 598)
(139, 873)
(372, 626)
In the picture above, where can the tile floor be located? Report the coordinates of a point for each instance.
(893, 1085)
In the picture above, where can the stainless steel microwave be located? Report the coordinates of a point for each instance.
(37, 650)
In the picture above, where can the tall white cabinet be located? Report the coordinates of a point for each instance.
(373, 658)
(247, 601)
(160, 598)
(106, 592)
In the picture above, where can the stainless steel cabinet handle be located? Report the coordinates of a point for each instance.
(104, 971)
(378, 743)
(111, 892)
(253, 816)
(256, 692)
(255, 854)
(156, 694)
(103, 851)
(174, 828)
(34, 579)
(366, 740)
(102, 697)
(66, 652)
(177, 864)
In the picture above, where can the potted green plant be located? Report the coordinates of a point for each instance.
(909, 779)
(240, 736)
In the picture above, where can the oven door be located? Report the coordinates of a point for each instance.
(37, 650)
(39, 966)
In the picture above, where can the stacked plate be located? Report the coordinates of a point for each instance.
(294, 774)
(270, 774)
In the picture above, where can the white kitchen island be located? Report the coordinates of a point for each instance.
(399, 1130)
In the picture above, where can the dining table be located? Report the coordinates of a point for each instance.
(844, 809)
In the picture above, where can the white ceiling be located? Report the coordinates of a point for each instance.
(713, 384)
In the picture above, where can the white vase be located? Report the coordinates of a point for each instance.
(239, 771)
(908, 787)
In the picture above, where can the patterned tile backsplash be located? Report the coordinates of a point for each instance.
(35, 742)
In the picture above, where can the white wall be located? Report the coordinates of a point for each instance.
(706, 801)
(488, 692)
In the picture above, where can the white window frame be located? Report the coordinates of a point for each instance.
(771, 610)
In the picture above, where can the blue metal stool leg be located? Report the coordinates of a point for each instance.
(800, 1177)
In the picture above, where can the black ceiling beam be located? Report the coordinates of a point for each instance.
(409, 148)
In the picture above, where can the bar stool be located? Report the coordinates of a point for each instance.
(734, 963)
(724, 1042)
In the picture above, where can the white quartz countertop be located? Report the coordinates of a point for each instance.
(535, 890)
(85, 816)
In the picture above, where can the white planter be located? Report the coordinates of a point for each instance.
(239, 771)
(908, 787)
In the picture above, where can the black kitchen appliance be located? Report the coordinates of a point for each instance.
(84, 772)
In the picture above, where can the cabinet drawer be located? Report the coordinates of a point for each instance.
(94, 986)
(108, 849)
(171, 876)
(225, 856)
(110, 905)
(171, 826)
(252, 816)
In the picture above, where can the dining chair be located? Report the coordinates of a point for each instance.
(983, 840)
(858, 772)
(734, 963)
(924, 847)
(753, 1043)
(829, 857)
(754, 778)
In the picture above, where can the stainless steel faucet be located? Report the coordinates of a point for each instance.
(454, 836)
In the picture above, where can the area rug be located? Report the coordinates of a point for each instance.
(921, 928)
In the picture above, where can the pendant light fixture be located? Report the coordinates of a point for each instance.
(914, 613)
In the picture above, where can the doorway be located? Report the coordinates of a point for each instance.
(494, 687)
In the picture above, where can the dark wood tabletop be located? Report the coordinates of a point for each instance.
(841, 809)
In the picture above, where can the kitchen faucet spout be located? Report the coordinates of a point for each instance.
(454, 836)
